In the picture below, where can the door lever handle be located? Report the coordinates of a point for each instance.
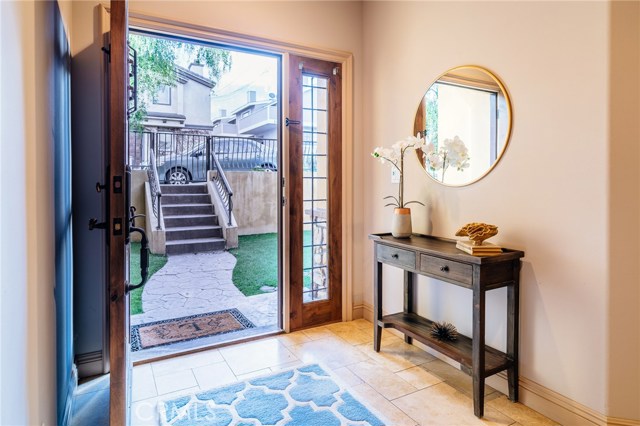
(288, 121)
(144, 259)
(93, 224)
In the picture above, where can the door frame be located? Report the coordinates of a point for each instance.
(117, 219)
(285, 48)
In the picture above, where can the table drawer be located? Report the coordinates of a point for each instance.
(396, 256)
(460, 272)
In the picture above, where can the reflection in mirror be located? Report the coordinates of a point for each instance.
(466, 118)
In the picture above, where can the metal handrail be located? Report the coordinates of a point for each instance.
(156, 193)
(222, 184)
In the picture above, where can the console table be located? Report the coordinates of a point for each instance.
(439, 258)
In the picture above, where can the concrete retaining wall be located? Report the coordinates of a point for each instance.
(255, 201)
(138, 179)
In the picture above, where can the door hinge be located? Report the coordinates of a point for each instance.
(284, 201)
(336, 70)
(283, 182)
(107, 51)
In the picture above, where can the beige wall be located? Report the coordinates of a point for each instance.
(138, 178)
(27, 317)
(255, 201)
(550, 192)
(624, 210)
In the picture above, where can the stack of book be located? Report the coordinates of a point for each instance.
(486, 249)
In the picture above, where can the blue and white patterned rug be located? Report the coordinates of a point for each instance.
(305, 396)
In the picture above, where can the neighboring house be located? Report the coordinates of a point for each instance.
(187, 106)
(255, 118)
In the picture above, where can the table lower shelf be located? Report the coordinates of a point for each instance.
(460, 350)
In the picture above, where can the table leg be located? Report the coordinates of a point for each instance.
(513, 320)
(408, 297)
(478, 350)
(377, 305)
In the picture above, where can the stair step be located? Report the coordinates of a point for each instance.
(187, 209)
(186, 199)
(190, 220)
(183, 189)
(198, 245)
(193, 232)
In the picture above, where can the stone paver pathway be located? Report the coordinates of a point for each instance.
(193, 284)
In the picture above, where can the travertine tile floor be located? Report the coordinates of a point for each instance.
(402, 382)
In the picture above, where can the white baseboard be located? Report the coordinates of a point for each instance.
(535, 396)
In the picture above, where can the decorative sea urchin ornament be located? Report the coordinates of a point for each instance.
(444, 331)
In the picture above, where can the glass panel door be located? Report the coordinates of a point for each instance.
(315, 215)
(314, 173)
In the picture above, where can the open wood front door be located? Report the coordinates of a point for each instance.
(315, 191)
(117, 225)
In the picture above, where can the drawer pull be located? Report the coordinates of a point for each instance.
(444, 268)
(395, 255)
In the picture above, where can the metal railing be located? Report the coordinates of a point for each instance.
(222, 185)
(156, 193)
(184, 155)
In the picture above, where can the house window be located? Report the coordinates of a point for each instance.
(246, 114)
(163, 96)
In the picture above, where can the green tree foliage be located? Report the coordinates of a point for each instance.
(431, 125)
(157, 58)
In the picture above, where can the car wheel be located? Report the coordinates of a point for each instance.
(270, 167)
(177, 176)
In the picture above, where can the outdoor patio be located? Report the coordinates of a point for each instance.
(194, 284)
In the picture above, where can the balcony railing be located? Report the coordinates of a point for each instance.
(257, 119)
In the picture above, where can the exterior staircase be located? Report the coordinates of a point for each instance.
(191, 225)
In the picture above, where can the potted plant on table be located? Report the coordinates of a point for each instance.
(401, 223)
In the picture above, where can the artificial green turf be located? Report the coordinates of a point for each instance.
(257, 262)
(156, 262)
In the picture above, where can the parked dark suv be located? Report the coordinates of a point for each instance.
(234, 154)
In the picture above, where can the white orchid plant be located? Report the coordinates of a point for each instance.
(395, 157)
(452, 153)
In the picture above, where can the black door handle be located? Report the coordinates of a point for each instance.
(288, 122)
(94, 224)
(444, 268)
(395, 255)
(144, 259)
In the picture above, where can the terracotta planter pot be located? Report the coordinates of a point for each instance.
(401, 223)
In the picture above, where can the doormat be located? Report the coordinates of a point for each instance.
(159, 333)
(303, 396)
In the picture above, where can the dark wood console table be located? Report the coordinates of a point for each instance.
(439, 258)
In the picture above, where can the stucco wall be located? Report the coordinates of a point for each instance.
(255, 201)
(197, 104)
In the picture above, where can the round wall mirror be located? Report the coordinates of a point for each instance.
(465, 117)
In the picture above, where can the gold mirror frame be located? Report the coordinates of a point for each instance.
(420, 113)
